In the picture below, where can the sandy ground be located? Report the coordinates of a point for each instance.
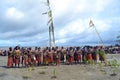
(62, 72)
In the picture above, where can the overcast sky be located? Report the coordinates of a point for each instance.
(22, 22)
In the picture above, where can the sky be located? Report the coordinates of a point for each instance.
(22, 22)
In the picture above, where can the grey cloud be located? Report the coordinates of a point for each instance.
(33, 24)
(32, 29)
(22, 34)
(7, 26)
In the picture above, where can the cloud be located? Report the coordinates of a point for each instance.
(22, 21)
(14, 14)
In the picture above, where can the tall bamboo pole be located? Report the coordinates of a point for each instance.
(91, 24)
(49, 36)
(99, 35)
(51, 26)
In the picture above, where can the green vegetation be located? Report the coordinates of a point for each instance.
(54, 74)
(114, 65)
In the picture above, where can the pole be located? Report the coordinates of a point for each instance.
(99, 35)
(52, 26)
(91, 24)
(50, 36)
(53, 39)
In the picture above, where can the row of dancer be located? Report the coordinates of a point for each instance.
(54, 56)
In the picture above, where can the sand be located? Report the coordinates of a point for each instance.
(62, 72)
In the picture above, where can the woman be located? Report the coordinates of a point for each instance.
(50, 56)
(24, 58)
(89, 56)
(17, 56)
(10, 57)
(71, 55)
(79, 55)
(95, 54)
(102, 55)
(57, 57)
(44, 51)
(76, 57)
(38, 56)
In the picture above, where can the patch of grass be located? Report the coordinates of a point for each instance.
(54, 74)
(114, 65)
(25, 77)
(53, 77)
(42, 72)
(103, 72)
(100, 64)
(45, 67)
(114, 74)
